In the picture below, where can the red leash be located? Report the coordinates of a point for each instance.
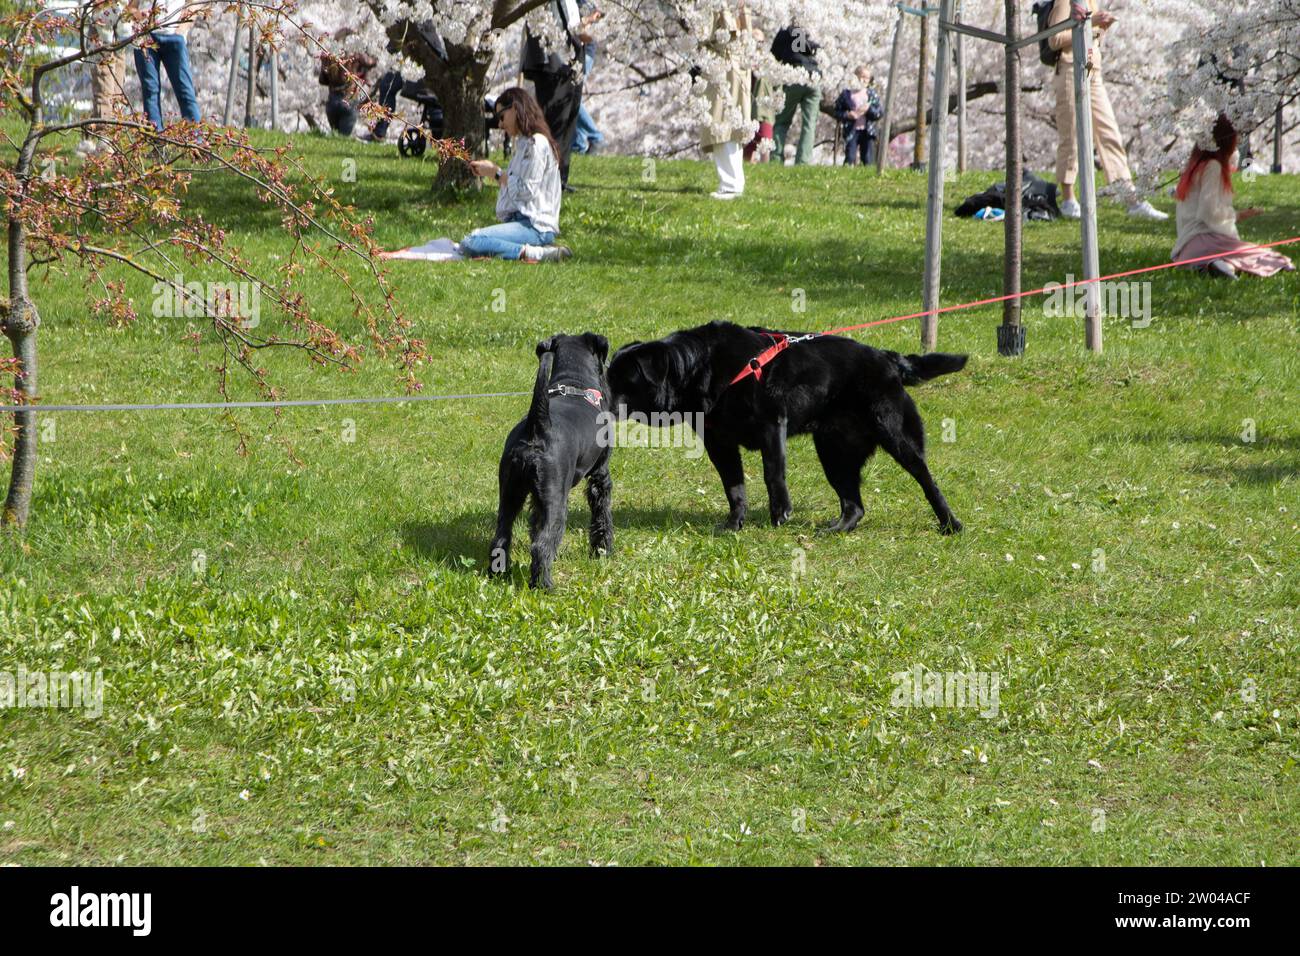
(756, 364)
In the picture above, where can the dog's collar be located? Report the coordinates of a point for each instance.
(781, 342)
(592, 395)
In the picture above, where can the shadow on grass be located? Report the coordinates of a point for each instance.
(1227, 438)
(1263, 473)
(466, 535)
(1236, 471)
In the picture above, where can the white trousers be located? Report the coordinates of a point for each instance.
(729, 158)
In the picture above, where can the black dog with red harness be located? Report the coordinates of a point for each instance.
(756, 387)
(557, 445)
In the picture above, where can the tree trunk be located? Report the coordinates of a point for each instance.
(19, 323)
(460, 85)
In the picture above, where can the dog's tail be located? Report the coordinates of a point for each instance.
(539, 413)
(916, 369)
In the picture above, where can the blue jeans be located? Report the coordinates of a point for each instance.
(505, 240)
(859, 147)
(586, 135)
(174, 55)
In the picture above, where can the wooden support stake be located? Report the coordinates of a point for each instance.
(882, 144)
(961, 99)
(1011, 334)
(934, 208)
(1086, 186)
(234, 69)
(275, 88)
(918, 147)
(1278, 133)
(252, 73)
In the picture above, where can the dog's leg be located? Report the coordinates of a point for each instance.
(599, 493)
(903, 436)
(726, 459)
(778, 495)
(842, 457)
(511, 497)
(550, 513)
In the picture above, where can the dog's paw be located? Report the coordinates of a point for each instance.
(781, 517)
(840, 525)
(731, 525)
(951, 526)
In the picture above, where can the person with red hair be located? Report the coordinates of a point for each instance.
(1207, 223)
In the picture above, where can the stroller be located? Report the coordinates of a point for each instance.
(413, 141)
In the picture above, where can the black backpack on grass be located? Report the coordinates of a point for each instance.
(1043, 14)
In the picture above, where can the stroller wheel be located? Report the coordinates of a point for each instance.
(411, 143)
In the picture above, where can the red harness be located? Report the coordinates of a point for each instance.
(781, 342)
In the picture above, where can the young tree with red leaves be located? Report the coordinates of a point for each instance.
(127, 205)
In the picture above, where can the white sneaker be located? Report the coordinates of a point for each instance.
(545, 253)
(1144, 210)
(719, 194)
(1221, 269)
(1070, 209)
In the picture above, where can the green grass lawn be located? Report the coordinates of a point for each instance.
(340, 683)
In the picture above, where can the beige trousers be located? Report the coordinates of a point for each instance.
(1105, 131)
(108, 83)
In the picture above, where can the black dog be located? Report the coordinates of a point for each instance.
(555, 447)
(849, 395)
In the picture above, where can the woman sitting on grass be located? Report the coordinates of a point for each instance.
(1207, 223)
(529, 203)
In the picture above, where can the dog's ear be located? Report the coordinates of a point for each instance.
(546, 345)
(623, 348)
(598, 344)
(652, 361)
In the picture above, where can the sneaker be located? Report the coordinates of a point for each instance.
(1221, 269)
(1070, 209)
(719, 194)
(1144, 210)
(545, 253)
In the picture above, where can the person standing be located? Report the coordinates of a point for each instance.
(385, 94)
(725, 134)
(857, 110)
(170, 51)
(342, 76)
(760, 110)
(793, 47)
(588, 138)
(557, 77)
(107, 76)
(1106, 134)
(760, 94)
